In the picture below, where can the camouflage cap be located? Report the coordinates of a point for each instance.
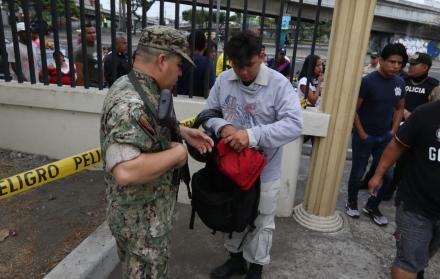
(167, 39)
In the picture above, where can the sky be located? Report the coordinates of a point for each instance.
(154, 10)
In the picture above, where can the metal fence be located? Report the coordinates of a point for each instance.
(32, 12)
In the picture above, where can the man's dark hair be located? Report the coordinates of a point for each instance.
(56, 54)
(242, 47)
(405, 55)
(89, 25)
(36, 27)
(200, 40)
(304, 70)
(394, 49)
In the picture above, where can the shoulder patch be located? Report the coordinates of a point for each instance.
(144, 123)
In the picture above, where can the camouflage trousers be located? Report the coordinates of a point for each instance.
(142, 235)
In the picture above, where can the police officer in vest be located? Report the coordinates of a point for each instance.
(419, 87)
(418, 84)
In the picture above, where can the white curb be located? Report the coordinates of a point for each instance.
(95, 258)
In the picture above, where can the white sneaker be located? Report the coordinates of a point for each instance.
(351, 210)
(376, 216)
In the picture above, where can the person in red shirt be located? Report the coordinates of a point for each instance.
(65, 69)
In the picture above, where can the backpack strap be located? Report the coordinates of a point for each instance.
(257, 184)
(244, 237)
(193, 215)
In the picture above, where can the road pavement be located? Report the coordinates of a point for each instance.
(361, 250)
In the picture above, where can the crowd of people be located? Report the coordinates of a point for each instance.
(260, 108)
(397, 120)
(119, 60)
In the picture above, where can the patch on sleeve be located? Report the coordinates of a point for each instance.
(144, 123)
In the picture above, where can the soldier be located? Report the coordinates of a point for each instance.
(140, 155)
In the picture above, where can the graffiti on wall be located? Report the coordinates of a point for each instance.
(414, 45)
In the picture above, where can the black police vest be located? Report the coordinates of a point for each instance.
(417, 93)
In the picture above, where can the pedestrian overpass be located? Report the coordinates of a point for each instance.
(418, 18)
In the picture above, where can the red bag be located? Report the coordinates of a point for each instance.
(242, 168)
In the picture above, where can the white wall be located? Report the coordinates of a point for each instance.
(63, 121)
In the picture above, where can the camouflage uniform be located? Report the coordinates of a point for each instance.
(139, 216)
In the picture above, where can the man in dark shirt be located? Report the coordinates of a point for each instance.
(120, 58)
(418, 196)
(379, 111)
(418, 92)
(92, 58)
(280, 63)
(203, 72)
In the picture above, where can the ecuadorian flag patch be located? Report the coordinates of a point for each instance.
(144, 123)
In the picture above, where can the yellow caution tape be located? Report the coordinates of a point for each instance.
(303, 103)
(31, 179)
(189, 122)
(40, 176)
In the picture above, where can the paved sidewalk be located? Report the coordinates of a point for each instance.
(360, 250)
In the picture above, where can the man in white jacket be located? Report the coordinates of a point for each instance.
(260, 109)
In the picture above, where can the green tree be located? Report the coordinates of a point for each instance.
(325, 26)
(47, 8)
(269, 22)
(135, 5)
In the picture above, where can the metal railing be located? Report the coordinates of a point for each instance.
(34, 13)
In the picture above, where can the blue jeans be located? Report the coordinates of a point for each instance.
(361, 152)
(417, 239)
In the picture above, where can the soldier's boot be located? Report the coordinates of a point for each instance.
(421, 274)
(255, 271)
(235, 265)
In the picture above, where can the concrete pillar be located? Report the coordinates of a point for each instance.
(352, 20)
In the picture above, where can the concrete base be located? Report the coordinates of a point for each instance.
(96, 257)
(321, 224)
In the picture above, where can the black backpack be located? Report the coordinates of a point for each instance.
(219, 202)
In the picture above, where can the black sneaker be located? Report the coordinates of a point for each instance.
(351, 209)
(376, 215)
(235, 265)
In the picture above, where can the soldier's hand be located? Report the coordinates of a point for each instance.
(198, 139)
(238, 141)
(228, 130)
(180, 153)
